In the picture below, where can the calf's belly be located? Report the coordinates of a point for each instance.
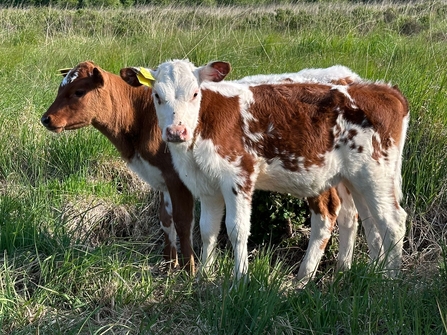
(303, 184)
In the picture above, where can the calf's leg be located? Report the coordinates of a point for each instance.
(324, 211)
(381, 200)
(211, 212)
(237, 221)
(182, 207)
(168, 227)
(347, 225)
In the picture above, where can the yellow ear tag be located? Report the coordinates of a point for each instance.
(64, 71)
(145, 77)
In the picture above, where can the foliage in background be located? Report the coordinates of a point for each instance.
(128, 3)
(276, 216)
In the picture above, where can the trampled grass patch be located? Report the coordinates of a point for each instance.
(79, 235)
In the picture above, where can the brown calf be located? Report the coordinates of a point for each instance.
(89, 95)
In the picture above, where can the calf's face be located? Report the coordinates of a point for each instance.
(74, 106)
(176, 94)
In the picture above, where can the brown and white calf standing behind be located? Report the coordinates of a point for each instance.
(227, 139)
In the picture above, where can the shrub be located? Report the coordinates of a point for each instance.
(275, 216)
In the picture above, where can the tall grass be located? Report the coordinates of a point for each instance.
(79, 234)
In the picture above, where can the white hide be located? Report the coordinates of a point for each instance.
(149, 173)
(324, 75)
(174, 92)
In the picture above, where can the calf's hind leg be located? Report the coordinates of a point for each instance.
(389, 219)
(347, 226)
(324, 211)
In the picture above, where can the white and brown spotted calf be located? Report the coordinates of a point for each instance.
(227, 139)
(88, 95)
(334, 204)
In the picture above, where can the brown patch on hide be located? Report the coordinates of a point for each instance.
(327, 204)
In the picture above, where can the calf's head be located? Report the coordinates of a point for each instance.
(74, 106)
(177, 95)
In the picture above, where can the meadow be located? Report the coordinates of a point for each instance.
(79, 236)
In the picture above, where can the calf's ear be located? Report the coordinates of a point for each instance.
(97, 76)
(214, 71)
(129, 75)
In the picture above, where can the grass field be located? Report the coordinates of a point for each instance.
(79, 234)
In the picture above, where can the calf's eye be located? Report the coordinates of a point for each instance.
(79, 93)
(158, 98)
(196, 93)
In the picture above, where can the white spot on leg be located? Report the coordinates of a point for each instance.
(168, 203)
(170, 230)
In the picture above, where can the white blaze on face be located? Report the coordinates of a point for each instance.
(69, 77)
(177, 97)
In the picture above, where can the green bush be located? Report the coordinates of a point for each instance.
(275, 216)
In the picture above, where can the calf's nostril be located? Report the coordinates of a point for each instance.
(45, 120)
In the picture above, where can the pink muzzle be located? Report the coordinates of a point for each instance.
(177, 134)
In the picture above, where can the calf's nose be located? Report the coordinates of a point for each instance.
(177, 133)
(45, 120)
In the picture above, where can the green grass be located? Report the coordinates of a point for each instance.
(79, 234)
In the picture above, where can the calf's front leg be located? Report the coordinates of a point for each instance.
(237, 221)
(211, 212)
